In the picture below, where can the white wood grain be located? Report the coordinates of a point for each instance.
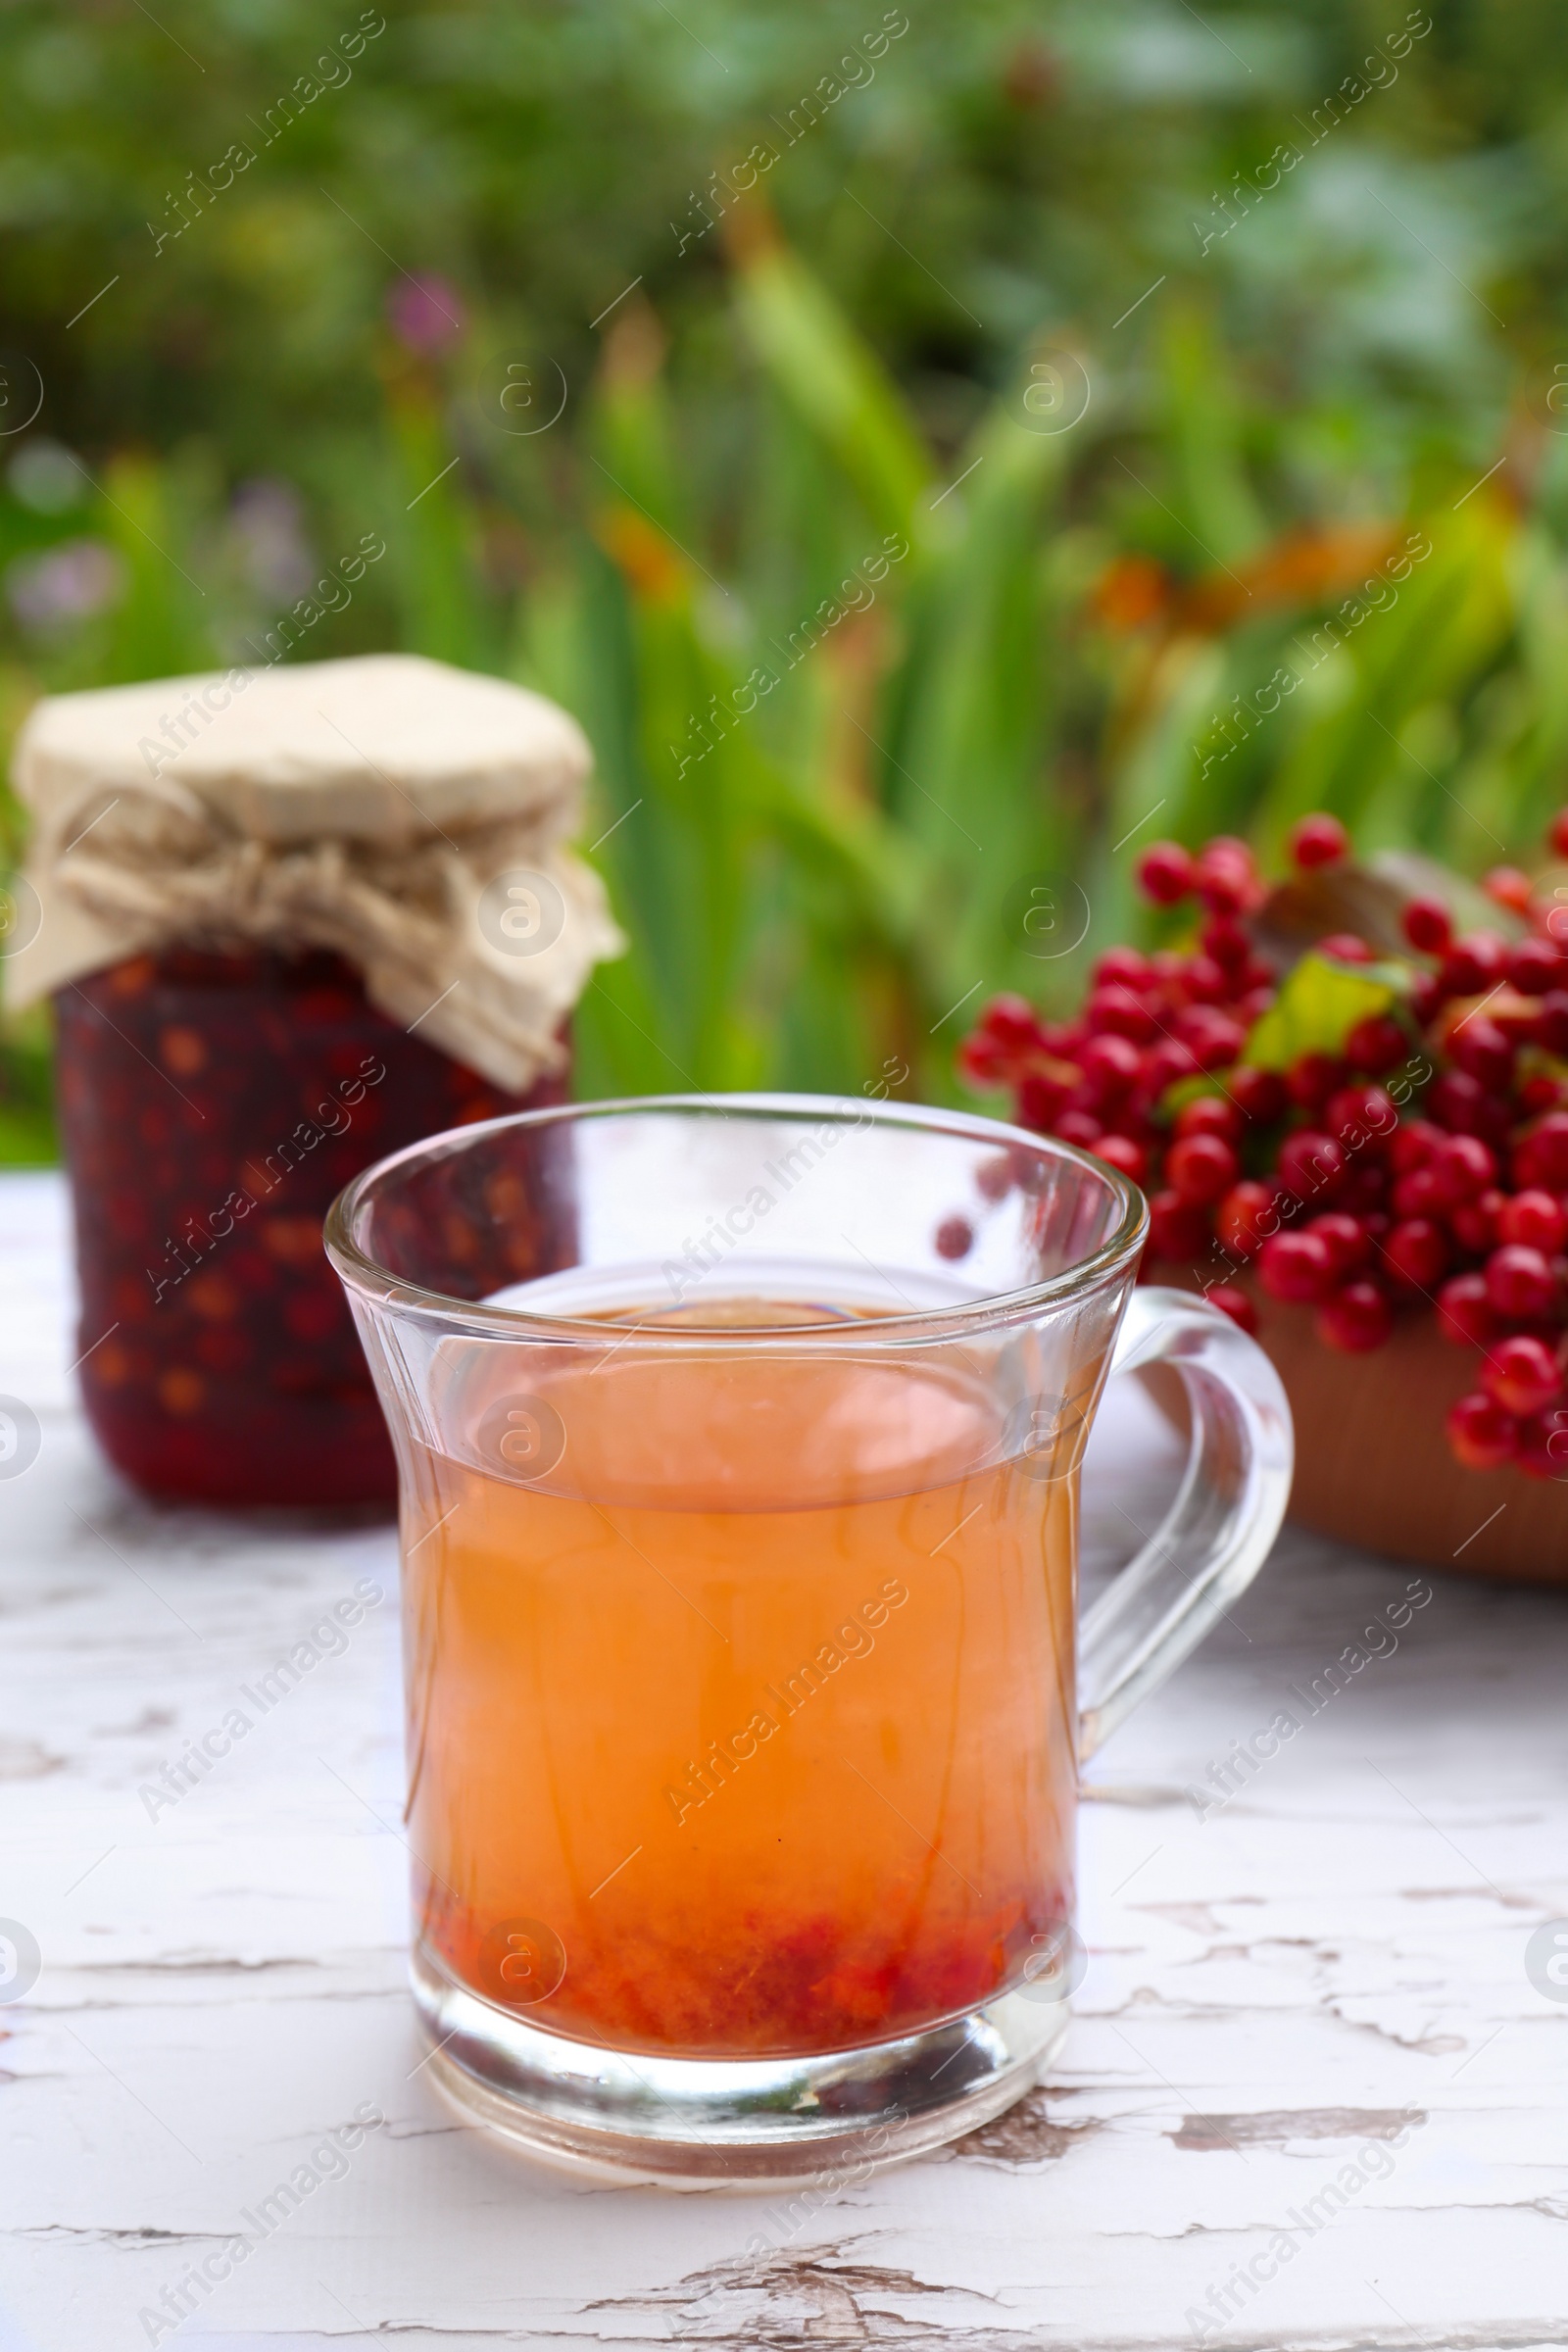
(1332, 1962)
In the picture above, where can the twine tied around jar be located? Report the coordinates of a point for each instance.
(411, 817)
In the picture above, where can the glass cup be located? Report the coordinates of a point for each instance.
(738, 1445)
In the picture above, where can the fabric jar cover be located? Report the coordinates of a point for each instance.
(409, 815)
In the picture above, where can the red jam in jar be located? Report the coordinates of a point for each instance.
(211, 1104)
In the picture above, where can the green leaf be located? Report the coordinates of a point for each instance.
(1217, 512)
(1438, 631)
(1318, 1005)
(833, 381)
(970, 714)
(432, 571)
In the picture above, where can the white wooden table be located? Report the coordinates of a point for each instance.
(1319, 1986)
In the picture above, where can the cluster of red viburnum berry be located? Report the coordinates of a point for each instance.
(1454, 1198)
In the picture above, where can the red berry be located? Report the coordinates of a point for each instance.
(1416, 1254)
(1356, 1318)
(1455, 1102)
(1242, 1217)
(1518, 1017)
(1366, 1189)
(1177, 1228)
(1495, 1120)
(1417, 1195)
(1345, 1238)
(1260, 1093)
(1506, 886)
(1485, 1051)
(1250, 1008)
(993, 1178)
(1012, 1022)
(1039, 1099)
(1318, 840)
(1166, 873)
(1310, 1166)
(1122, 967)
(1535, 966)
(1461, 1169)
(1376, 1043)
(1201, 1168)
(1522, 1374)
(1114, 1011)
(955, 1237)
(1532, 1220)
(1164, 1063)
(1413, 1145)
(1079, 1127)
(1481, 1435)
(1226, 875)
(1544, 1444)
(1298, 1267)
(982, 1061)
(1214, 1041)
(1557, 833)
(1464, 1314)
(1345, 947)
(1424, 998)
(1462, 1104)
(1112, 1066)
(1426, 924)
(1235, 1303)
(1540, 1157)
(1212, 1114)
(1473, 964)
(1225, 942)
(1240, 1214)
(1520, 1284)
(1206, 982)
(1551, 1022)
(1362, 1118)
(1474, 1223)
(1125, 1153)
(1313, 1078)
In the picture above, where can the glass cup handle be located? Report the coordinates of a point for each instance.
(1218, 1531)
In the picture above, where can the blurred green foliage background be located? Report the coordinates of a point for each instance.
(1133, 343)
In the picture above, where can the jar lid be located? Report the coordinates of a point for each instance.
(388, 747)
(411, 817)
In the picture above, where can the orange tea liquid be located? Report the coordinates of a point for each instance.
(750, 1730)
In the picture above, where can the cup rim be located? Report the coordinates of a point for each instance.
(378, 1284)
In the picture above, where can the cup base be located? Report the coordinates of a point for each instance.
(714, 2122)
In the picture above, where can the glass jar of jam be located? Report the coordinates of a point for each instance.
(212, 1103)
(291, 918)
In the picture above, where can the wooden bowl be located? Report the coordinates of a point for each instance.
(1372, 1463)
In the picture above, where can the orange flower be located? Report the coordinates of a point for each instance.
(1303, 567)
(1131, 592)
(642, 555)
(1306, 567)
